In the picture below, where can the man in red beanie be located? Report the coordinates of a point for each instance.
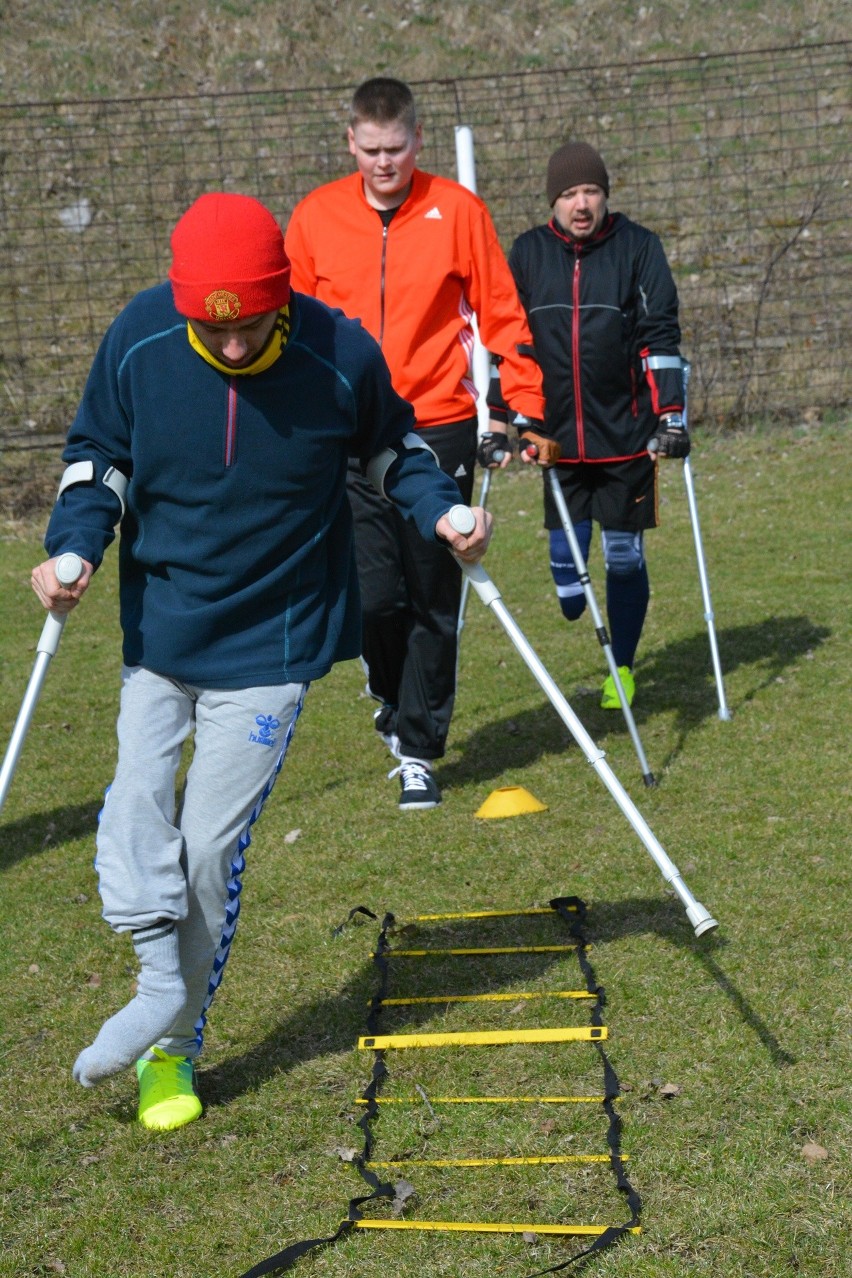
(216, 425)
(415, 257)
(603, 309)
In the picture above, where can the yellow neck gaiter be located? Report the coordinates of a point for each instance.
(266, 358)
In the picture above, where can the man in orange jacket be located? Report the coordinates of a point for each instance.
(415, 257)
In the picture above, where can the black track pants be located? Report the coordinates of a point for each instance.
(410, 592)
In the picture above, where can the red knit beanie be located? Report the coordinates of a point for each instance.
(228, 260)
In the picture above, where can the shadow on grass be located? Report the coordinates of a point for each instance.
(677, 678)
(34, 834)
(333, 1024)
(680, 678)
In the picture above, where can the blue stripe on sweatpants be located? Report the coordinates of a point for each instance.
(235, 885)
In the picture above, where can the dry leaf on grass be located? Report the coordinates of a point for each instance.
(403, 1191)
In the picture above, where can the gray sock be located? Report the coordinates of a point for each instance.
(159, 998)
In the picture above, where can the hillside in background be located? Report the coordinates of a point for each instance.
(123, 48)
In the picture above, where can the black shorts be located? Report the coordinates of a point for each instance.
(619, 495)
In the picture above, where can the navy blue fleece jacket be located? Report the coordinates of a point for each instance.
(236, 555)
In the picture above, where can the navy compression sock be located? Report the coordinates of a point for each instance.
(627, 598)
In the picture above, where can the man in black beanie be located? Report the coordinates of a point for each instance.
(603, 310)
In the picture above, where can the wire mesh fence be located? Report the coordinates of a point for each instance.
(738, 161)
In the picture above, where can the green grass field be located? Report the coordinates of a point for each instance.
(742, 1161)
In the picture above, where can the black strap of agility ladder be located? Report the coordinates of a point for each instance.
(612, 1089)
(573, 911)
(284, 1260)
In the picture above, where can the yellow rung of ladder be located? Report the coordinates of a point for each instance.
(485, 1038)
(488, 914)
(497, 949)
(534, 1160)
(490, 1227)
(480, 998)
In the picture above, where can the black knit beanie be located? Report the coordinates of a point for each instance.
(575, 164)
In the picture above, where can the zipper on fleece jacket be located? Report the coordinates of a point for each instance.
(385, 228)
(575, 359)
(231, 424)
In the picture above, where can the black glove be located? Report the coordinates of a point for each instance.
(671, 439)
(492, 448)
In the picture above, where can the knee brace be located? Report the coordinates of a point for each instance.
(624, 552)
(569, 591)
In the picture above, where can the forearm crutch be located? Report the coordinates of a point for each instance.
(600, 628)
(68, 570)
(724, 712)
(463, 521)
(675, 361)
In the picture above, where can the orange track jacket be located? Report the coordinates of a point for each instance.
(415, 285)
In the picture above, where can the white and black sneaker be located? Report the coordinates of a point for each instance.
(420, 790)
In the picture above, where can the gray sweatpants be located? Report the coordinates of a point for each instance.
(157, 861)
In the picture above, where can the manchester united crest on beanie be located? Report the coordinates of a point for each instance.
(228, 260)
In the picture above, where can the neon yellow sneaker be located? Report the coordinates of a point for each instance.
(609, 692)
(167, 1095)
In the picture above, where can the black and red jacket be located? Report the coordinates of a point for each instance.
(596, 308)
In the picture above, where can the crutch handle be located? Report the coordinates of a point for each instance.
(532, 451)
(68, 569)
(462, 519)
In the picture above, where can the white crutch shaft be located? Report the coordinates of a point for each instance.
(465, 589)
(69, 568)
(600, 628)
(709, 617)
(700, 918)
(724, 712)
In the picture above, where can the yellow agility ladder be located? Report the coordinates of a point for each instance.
(571, 911)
